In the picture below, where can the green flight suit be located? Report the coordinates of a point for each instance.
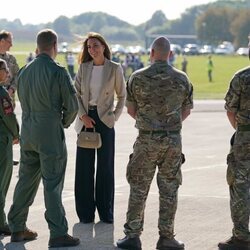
(9, 130)
(49, 105)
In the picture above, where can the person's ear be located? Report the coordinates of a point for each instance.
(152, 52)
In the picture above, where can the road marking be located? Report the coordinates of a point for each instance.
(204, 167)
(70, 194)
(206, 196)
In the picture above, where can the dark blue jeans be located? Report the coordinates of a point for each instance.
(96, 190)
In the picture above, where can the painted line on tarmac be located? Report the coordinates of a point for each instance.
(70, 195)
(205, 196)
(205, 167)
(196, 196)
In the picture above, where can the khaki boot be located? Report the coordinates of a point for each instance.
(27, 234)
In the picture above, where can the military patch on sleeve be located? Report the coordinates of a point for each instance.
(6, 105)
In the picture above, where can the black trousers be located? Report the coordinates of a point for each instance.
(95, 189)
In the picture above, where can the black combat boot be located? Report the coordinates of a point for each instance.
(169, 244)
(234, 244)
(131, 243)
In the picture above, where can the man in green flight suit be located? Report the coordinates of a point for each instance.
(49, 105)
(9, 134)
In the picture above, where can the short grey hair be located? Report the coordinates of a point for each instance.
(161, 44)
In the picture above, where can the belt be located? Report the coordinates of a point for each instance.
(243, 127)
(92, 107)
(159, 132)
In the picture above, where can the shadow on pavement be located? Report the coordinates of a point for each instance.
(95, 236)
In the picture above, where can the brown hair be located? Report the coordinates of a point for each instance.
(85, 56)
(46, 39)
(4, 34)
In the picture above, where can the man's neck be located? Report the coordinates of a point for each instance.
(51, 53)
(160, 61)
(2, 52)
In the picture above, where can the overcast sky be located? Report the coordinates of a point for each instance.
(132, 11)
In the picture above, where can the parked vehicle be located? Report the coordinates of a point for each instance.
(226, 48)
(117, 48)
(136, 50)
(63, 47)
(176, 48)
(206, 49)
(191, 49)
(242, 51)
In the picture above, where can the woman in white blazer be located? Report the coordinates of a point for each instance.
(97, 81)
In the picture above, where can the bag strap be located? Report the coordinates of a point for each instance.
(85, 129)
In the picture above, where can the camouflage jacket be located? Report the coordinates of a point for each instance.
(159, 93)
(13, 67)
(238, 96)
(8, 121)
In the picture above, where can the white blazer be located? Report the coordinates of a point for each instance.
(112, 82)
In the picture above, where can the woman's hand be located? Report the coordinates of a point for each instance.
(88, 121)
(15, 141)
(11, 92)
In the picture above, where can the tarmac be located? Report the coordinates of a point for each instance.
(203, 214)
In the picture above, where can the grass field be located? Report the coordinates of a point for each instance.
(224, 69)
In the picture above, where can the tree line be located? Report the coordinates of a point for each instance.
(211, 23)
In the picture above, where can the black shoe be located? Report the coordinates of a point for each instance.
(234, 244)
(129, 243)
(15, 163)
(169, 244)
(64, 241)
(5, 230)
(27, 234)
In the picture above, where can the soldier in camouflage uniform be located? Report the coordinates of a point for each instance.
(10, 84)
(9, 134)
(159, 98)
(238, 172)
(5, 44)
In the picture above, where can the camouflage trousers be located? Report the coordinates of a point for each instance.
(238, 178)
(149, 152)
